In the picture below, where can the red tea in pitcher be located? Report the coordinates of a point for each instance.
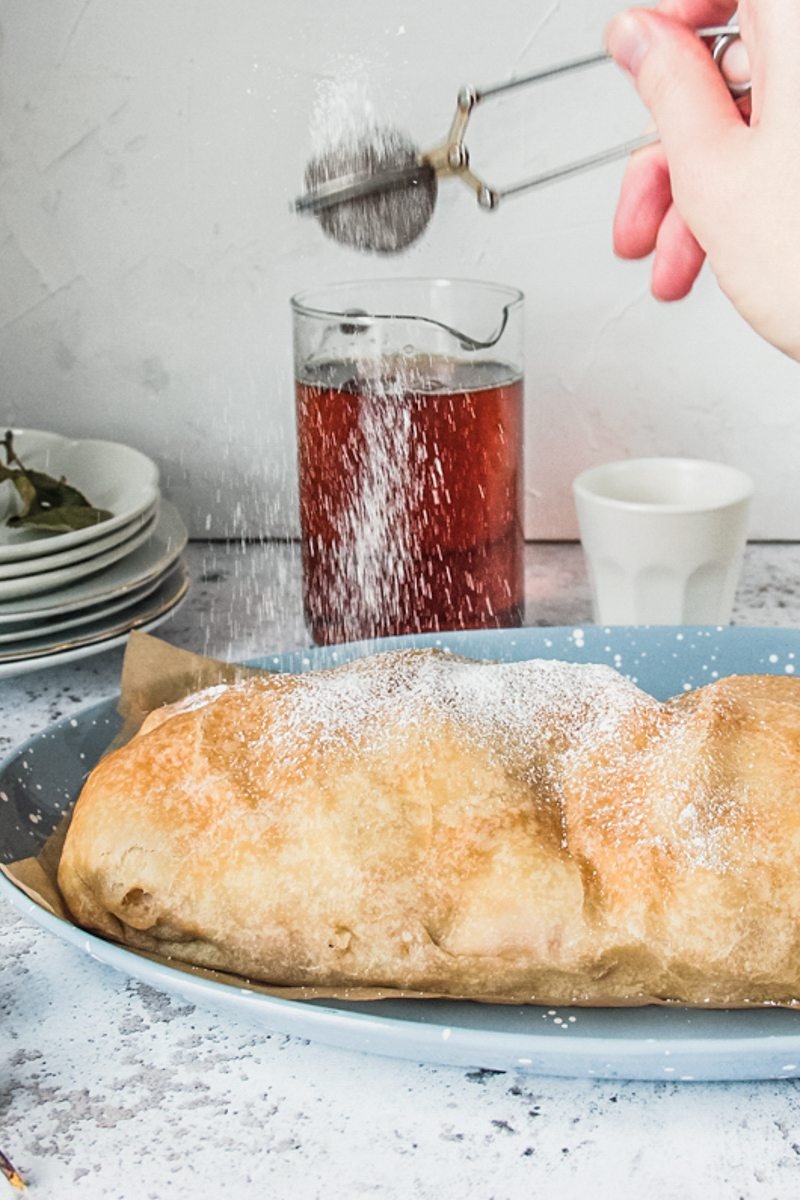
(410, 496)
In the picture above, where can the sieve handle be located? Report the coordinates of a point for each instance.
(722, 36)
(453, 158)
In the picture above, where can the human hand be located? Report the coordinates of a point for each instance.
(723, 182)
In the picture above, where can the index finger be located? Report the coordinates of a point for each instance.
(702, 14)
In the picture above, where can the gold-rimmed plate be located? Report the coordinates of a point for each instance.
(162, 548)
(25, 630)
(104, 634)
(39, 583)
(24, 567)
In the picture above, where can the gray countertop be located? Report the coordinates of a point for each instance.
(109, 1088)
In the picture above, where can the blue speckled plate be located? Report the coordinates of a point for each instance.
(39, 781)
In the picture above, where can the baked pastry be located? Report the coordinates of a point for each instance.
(524, 832)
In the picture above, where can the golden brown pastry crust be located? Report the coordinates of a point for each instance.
(531, 832)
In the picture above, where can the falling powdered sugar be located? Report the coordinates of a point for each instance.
(374, 551)
(349, 141)
(343, 109)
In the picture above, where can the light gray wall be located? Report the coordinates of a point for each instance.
(148, 153)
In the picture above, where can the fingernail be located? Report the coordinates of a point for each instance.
(628, 41)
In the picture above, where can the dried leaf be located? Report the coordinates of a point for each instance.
(61, 519)
(48, 504)
(27, 493)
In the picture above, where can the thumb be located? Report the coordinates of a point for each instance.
(678, 81)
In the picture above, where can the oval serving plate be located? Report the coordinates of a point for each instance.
(41, 779)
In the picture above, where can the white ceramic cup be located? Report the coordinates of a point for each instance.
(663, 538)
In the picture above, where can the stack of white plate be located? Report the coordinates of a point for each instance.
(66, 595)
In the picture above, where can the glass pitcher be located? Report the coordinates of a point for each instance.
(409, 400)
